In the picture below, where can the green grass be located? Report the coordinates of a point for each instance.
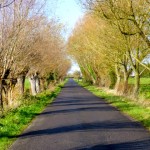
(15, 121)
(144, 87)
(127, 106)
(27, 84)
(142, 81)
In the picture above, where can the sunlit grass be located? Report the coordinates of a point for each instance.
(127, 106)
(142, 81)
(27, 84)
(144, 87)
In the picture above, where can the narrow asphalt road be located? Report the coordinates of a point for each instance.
(78, 120)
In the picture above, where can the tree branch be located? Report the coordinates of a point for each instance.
(6, 5)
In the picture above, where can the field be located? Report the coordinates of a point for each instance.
(144, 87)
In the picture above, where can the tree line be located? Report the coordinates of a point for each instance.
(112, 42)
(31, 46)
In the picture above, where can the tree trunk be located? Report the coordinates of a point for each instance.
(137, 84)
(118, 79)
(37, 80)
(21, 84)
(42, 84)
(60, 80)
(125, 84)
(137, 75)
(10, 97)
(98, 82)
(11, 86)
(118, 83)
(33, 85)
(93, 81)
(1, 97)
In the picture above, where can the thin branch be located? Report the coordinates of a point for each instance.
(6, 5)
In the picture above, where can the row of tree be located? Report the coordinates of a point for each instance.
(112, 42)
(30, 46)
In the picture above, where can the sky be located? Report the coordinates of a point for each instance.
(67, 12)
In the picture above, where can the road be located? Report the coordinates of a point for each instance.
(78, 120)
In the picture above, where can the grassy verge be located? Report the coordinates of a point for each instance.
(144, 87)
(127, 106)
(15, 121)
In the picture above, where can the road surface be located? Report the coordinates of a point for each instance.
(78, 120)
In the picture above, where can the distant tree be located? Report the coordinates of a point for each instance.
(77, 75)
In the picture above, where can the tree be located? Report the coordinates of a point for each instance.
(133, 13)
(31, 45)
(12, 23)
(77, 75)
(130, 18)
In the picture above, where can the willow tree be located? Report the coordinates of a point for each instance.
(13, 21)
(49, 56)
(130, 18)
(85, 45)
(94, 41)
(120, 13)
(30, 45)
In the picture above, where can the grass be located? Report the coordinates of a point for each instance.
(15, 121)
(144, 87)
(127, 106)
(142, 81)
(27, 84)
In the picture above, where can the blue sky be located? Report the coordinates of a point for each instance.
(67, 12)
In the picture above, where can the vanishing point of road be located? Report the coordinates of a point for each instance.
(78, 120)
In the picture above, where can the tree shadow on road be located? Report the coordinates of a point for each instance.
(133, 145)
(98, 127)
(86, 127)
(78, 110)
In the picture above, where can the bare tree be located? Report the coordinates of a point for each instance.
(13, 21)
